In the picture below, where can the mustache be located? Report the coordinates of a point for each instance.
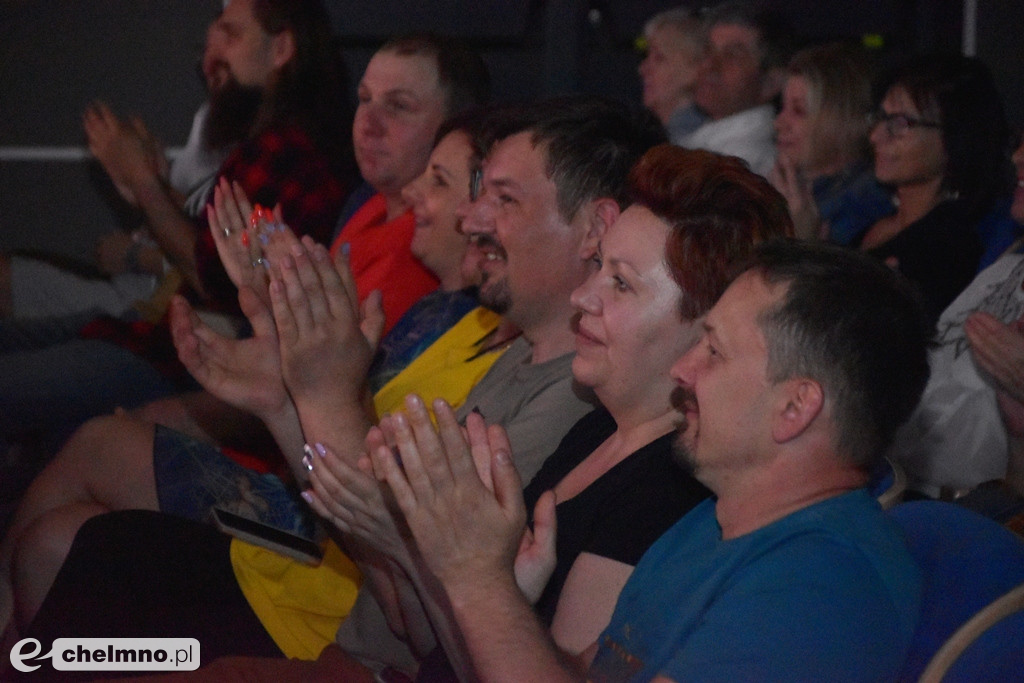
(683, 399)
(484, 240)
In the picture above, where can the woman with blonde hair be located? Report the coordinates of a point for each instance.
(823, 166)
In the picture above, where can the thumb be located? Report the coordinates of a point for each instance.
(256, 311)
(373, 319)
(545, 525)
(508, 487)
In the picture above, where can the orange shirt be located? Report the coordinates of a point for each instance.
(380, 258)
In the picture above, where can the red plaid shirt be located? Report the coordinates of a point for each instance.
(280, 165)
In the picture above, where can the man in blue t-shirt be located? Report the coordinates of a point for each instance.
(809, 362)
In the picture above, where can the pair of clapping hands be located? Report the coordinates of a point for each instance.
(311, 340)
(447, 495)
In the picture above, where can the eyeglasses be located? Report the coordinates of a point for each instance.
(898, 125)
(476, 180)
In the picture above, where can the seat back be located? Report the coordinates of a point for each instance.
(967, 561)
(989, 647)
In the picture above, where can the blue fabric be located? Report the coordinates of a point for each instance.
(55, 388)
(192, 477)
(967, 561)
(851, 202)
(997, 231)
(422, 325)
(826, 593)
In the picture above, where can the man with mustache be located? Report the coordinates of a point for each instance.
(809, 363)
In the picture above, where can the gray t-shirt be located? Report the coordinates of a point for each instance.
(536, 404)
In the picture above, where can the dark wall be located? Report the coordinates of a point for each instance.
(140, 55)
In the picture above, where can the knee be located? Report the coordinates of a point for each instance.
(108, 439)
(40, 552)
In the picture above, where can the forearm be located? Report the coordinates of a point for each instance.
(503, 637)
(286, 429)
(170, 228)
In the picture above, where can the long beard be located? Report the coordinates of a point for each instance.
(233, 110)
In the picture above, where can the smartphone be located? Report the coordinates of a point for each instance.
(258, 533)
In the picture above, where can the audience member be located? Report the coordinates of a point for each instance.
(552, 185)
(31, 288)
(737, 82)
(282, 86)
(809, 362)
(967, 430)
(615, 485)
(409, 87)
(675, 45)
(120, 440)
(822, 137)
(939, 140)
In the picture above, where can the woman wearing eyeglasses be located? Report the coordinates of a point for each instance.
(939, 138)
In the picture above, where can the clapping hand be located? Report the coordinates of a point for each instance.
(327, 343)
(128, 152)
(245, 373)
(466, 528)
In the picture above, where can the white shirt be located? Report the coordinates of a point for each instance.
(749, 135)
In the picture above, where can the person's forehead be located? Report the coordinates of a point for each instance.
(238, 13)
(723, 36)
(390, 71)
(735, 316)
(899, 100)
(516, 159)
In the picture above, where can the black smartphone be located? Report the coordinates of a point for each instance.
(258, 533)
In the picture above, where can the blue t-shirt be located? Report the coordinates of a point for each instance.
(827, 593)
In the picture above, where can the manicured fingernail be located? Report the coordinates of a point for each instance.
(346, 248)
(503, 457)
(264, 239)
(321, 450)
(307, 463)
(307, 496)
(476, 409)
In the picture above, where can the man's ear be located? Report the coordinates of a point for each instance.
(800, 401)
(283, 48)
(600, 214)
(771, 84)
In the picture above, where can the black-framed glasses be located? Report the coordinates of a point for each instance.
(898, 125)
(476, 181)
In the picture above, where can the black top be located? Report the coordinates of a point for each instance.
(939, 253)
(621, 514)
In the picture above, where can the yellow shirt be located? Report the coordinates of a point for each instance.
(301, 606)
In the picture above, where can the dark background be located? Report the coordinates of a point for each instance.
(140, 56)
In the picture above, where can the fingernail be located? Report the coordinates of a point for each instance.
(503, 457)
(321, 450)
(307, 496)
(307, 463)
(414, 401)
(345, 248)
(476, 409)
(264, 239)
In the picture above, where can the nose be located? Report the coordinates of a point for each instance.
(476, 216)
(1018, 156)
(584, 299)
(683, 370)
(411, 192)
(878, 134)
(369, 121)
